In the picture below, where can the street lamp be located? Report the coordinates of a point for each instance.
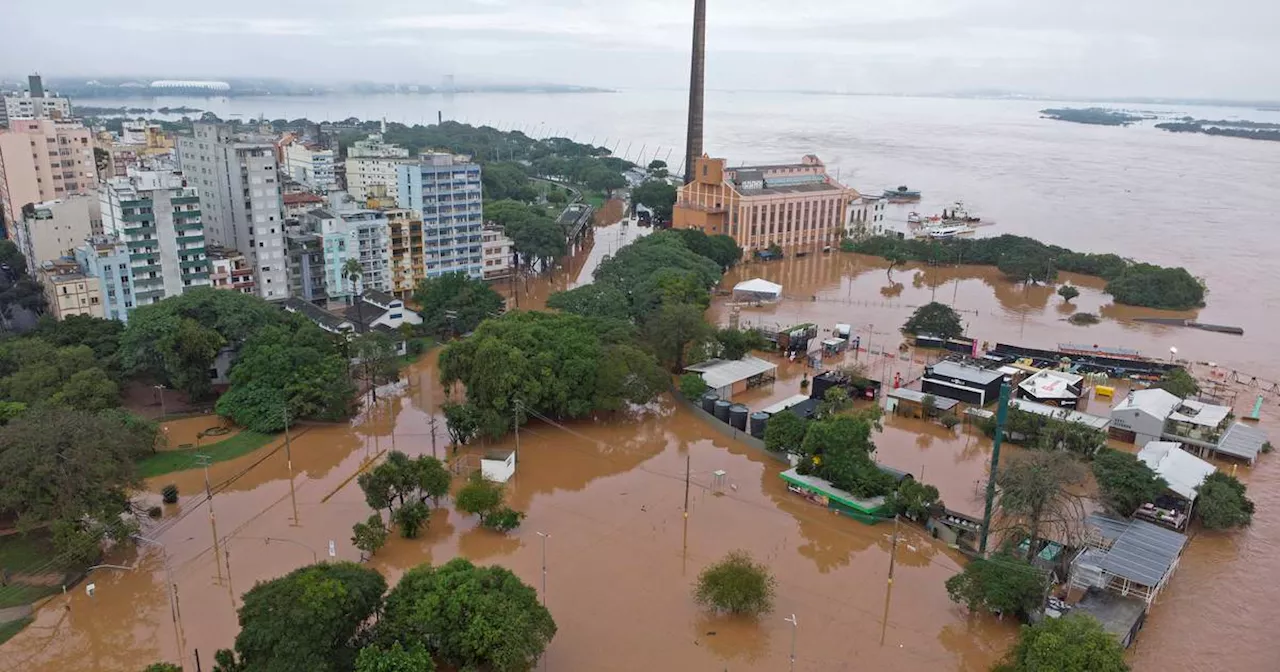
(160, 390)
(794, 625)
(1172, 352)
(544, 566)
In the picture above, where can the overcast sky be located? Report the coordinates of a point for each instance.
(1189, 48)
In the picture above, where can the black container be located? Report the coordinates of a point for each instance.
(738, 417)
(758, 421)
(709, 400)
(722, 410)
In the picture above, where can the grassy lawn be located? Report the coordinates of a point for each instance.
(593, 198)
(19, 551)
(169, 461)
(15, 594)
(12, 628)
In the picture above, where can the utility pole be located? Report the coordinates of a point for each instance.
(433, 423)
(688, 460)
(213, 523)
(888, 590)
(515, 420)
(288, 456)
(545, 537)
(794, 625)
(1002, 412)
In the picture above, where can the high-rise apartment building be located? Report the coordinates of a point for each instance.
(239, 182)
(53, 229)
(107, 262)
(310, 165)
(352, 234)
(43, 160)
(158, 218)
(306, 267)
(407, 264)
(791, 205)
(447, 193)
(499, 253)
(230, 270)
(372, 162)
(34, 103)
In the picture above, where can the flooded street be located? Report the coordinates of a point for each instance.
(621, 557)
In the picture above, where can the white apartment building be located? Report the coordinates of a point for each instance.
(238, 180)
(34, 103)
(373, 162)
(352, 234)
(311, 166)
(498, 253)
(158, 218)
(866, 217)
(446, 191)
(53, 229)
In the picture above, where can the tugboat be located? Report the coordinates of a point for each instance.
(959, 215)
(901, 195)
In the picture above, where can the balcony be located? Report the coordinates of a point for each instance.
(141, 244)
(197, 263)
(185, 240)
(144, 217)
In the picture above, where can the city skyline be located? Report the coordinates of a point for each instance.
(1080, 49)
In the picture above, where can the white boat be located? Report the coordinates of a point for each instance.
(949, 231)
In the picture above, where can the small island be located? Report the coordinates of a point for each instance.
(1249, 130)
(1098, 116)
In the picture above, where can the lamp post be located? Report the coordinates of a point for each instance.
(544, 536)
(1173, 351)
(794, 624)
(160, 390)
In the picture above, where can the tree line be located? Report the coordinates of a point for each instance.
(1023, 259)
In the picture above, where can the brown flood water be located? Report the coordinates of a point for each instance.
(621, 557)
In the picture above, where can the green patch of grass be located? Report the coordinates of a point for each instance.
(169, 461)
(594, 198)
(19, 551)
(12, 628)
(416, 348)
(16, 594)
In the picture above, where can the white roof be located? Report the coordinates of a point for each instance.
(1155, 401)
(1049, 384)
(785, 404)
(1197, 413)
(718, 373)
(1183, 471)
(758, 285)
(1086, 419)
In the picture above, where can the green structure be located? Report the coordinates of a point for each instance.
(823, 493)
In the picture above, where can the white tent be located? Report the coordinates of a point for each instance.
(757, 289)
(1183, 471)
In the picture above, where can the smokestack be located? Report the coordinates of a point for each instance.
(697, 72)
(36, 86)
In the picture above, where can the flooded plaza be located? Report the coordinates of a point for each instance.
(621, 556)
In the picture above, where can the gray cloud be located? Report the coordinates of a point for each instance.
(1077, 47)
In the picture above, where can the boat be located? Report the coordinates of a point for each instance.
(901, 195)
(959, 215)
(945, 231)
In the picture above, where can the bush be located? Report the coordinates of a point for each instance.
(479, 496)
(949, 421)
(1083, 319)
(934, 319)
(155, 512)
(1068, 292)
(1179, 383)
(1222, 504)
(736, 585)
(1001, 584)
(692, 387)
(784, 432)
(503, 519)
(170, 494)
(1125, 482)
(1074, 643)
(410, 518)
(370, 535)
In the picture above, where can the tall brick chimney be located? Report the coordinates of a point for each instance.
(697, 82)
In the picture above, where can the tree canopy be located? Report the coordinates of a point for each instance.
(507, 180)
(657, 195)
(1068, 292)
(536, 235)
(401, 485)
(1036, 495)
(934, 319)
(34, 371)
(1221, 503)
(1125, 482)
(1001, 584)
(455, 303)
(469, 617)
(290, 366)
(593, 300)
(176, 340)
(556, 364)
(309, 620)
(1073, 643)
(736, 585)
(1179, 383)
(784, 432)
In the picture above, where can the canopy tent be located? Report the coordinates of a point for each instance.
(757, 289)
(1183, 471)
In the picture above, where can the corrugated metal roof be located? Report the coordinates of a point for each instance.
(1242, 441)
(785, 404)
(940, 403)
(967, 372)
(1183, 471)
(1142, 553)
(718, 373)
(1086, 419)
(1155, 402)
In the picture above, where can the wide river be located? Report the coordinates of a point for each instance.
(620, 556)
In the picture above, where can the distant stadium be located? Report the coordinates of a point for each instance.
(189, 86)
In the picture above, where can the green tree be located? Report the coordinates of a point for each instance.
(1125, 482)
(737, 343)
(395, 658)
(1068, 292)
(672, 328)
(468, 617)
(455, 303)
(507, 180)
(835, 400)
(736, 585)
(657, 195)
(379, 361)
(593, 300)
(784, 432)
(34, 371)
(291, 366)
(668, 286)
(1036, 495)
(914, 499)
(1030, 263)
(1156, 287)
(462, 421)
(12, 257)
(1001, 584)
(309, 620)
(369, 536)
(102, 336)
(1179, 383)
(603, 180)
(1221, 503)
(1074, 643)
(160, 667)
(692, 386)
(353, 273)
(502, 519)
(934, 319)
(410, 517)
(479, 497)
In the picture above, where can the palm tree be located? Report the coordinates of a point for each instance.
(352, 271)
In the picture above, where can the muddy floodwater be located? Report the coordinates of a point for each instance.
(621, 556)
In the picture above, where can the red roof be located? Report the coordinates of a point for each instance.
(301, 198)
